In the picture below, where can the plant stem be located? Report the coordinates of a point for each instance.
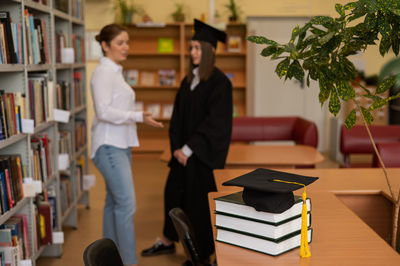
(396, 202)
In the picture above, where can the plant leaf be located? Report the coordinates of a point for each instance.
(340, 9)
(261, 40)
(326, 38)
(378, 104)
(386, 84)
(282, 68)
(295, 33)
(384, 46)
(334, 103)
(350, 119)
(325, 91)
(367, 115)
(370, 21)
(269, 50)
(296, 70)
(345, 90)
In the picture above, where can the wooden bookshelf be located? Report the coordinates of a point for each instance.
(145, 56)
(16, 79)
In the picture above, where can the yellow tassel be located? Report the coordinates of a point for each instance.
(304, 250)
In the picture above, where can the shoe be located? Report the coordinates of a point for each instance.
(158, 248)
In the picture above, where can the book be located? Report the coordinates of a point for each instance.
(257, 227)
(154, 109)
(233, 204)
(167, 109)
(166, 77)
(147, 78)
(273, 247)
(165, 45)
(132, 77)
(234, 44)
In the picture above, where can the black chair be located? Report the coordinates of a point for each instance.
(186, 236)
(102, 252)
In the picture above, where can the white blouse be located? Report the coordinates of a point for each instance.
(114, 104)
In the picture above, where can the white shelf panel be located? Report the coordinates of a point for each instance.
(11, 67)
(37, 6)
(11, 140)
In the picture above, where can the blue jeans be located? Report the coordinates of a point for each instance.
(120, 205)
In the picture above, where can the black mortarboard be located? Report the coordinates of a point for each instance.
(269, 190)
(204, 32)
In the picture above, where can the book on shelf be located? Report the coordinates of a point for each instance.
(166, 77)
(273, 247)
(9, 51)
(234, 44)
(139, 106)
(132, 77)
(165, 45)
(233, 204)
(147, 78)
(154, 109)
(45, 220)
(167, 109)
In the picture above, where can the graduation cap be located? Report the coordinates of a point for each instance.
(206, 33)
(272, 191)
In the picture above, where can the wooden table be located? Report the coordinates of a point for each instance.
(340, 220)
(253, 156)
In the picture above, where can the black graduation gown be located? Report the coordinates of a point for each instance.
(202, 119)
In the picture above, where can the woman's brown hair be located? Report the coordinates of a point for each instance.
(207, 62)
(108, 33)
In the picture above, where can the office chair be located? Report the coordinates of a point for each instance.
(102, 252)
(186, 236)
(389, 153)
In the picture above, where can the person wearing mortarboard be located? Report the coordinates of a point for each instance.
(200, 132)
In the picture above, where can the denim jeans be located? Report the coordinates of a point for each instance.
(120, 205)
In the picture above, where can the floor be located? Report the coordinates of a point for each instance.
(149, 179)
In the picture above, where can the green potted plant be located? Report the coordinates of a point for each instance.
(127, 9)
(178, 15)
(234, 11)
(320, 49)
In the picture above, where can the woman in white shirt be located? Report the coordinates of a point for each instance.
(113, 136)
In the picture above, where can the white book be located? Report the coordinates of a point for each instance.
(264, 245)
(233, 204)
(260, 228)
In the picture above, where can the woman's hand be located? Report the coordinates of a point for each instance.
(147, 119)
(180, 156)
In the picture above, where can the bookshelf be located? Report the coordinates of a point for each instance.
(164, 47)
(36, 83)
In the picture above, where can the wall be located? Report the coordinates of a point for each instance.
(101, 12)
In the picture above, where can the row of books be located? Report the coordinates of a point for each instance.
(37, 41)
(11, 41)
(11, 181)
(63, 95)
(79, 172)
(41, 157)
(60, 44)
(12, 110)
(269, 233)
(65, 142)
(80, 134)
(79, 89)
(40, 92)
(66, 196)
(77, 9)
(78, 43)
(158, 110)
(164, 77)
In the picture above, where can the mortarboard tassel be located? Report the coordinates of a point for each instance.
(304, 250)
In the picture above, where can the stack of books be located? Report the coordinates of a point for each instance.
(269, 233)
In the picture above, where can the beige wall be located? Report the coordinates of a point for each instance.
(101, 12)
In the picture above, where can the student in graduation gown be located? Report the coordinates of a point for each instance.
(200, 132)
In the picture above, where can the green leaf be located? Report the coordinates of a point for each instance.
(326, 38)
(383, 27)
(261, 40)
(396, 12)
(367, 115)
(349, 6)
(334, 103)
(325, 91)
(282, 68)
(384, 46)
(296, 70)
(340, 9)
(295, 33)
(370, 21)
(269, 51)
(351, 119)
(321, 20)
(345, 90)
(371, 5)
(386, 84)
(378, 104)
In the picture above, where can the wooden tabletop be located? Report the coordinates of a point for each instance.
(340, 236)
(253, 156)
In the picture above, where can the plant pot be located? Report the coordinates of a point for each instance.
(179, 18)
(127, 18)
(233, 19)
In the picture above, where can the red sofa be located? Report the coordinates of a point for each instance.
(301, 131)
(356, 140)
(390, 155)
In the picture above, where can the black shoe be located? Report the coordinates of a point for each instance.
(158, 248)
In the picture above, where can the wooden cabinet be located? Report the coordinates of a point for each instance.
(158, 61)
